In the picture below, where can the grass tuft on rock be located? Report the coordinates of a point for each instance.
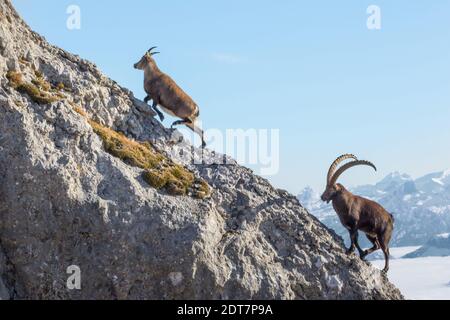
(37, 90)
(132, 152)
(159, 171)
(14, 78)
(60, 86)
(42, 83)
(78, 110)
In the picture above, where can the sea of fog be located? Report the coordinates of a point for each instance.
(419, 278)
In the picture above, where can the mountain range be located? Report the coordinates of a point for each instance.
(438, 246)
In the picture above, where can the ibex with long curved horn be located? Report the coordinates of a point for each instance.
(168, 95)
(357, 213)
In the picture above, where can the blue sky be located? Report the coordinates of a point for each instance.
(309, 68)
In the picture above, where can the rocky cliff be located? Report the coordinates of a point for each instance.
(90, 178)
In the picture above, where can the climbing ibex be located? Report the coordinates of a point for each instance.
(168, 95)
(357, 213)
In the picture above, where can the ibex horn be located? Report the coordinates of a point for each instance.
(336, 163)
(348, 166)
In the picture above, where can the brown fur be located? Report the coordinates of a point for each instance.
(164, 92)
(357, 213)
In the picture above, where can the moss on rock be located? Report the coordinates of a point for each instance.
(37, 90)
(159, 171)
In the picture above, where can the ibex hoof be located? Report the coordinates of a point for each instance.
(362, 255)
(161, 117)
(348, 252)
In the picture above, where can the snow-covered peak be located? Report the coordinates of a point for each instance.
(309, 198)
(443, 179)
(395, 178)
(309, 194)
(398, 176)
(434, 182)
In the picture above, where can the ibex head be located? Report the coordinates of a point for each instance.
(147, 59)
(333, 189)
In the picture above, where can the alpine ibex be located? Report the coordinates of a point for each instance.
(168, 95)
(357, 213)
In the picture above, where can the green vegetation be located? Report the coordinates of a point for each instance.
(78, 110)
(38, 74)
(130, 151)
(60, 86)
(41, 83)
(160, 172)
(39, 90)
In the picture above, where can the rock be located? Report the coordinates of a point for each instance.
(333, 282)
(65, 201)
(176, 278)
(320, 262)
(4, 294)
(143, 107)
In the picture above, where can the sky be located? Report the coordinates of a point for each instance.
(310, 69)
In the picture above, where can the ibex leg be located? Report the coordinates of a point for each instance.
(155, 107)
(180, 122)
(354, 242)
(384, 243)
(198, 131)
(376, 246)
